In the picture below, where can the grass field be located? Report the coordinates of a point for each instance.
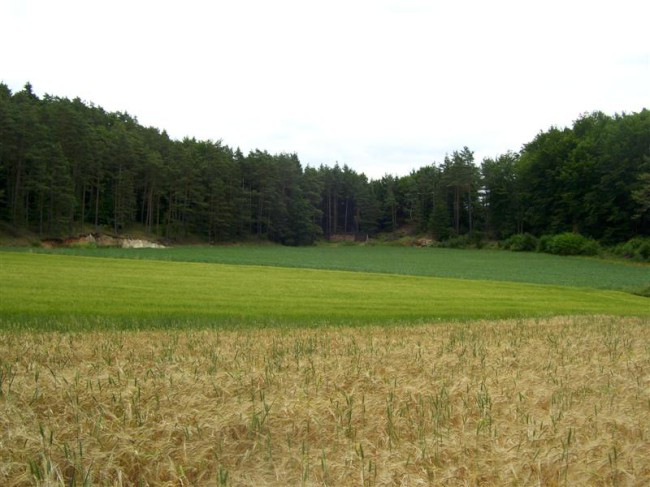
(71, 292)
(491, 265)
(223, 367)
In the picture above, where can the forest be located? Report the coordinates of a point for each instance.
(68, 166)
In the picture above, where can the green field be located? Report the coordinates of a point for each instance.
(63, 291)
(494, 265)
(173, 367)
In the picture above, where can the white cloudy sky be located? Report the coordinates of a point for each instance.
(383, 86)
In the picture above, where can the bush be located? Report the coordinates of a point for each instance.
(643, 252)
(544, 243)
(459, 242)
(477, 239)
(523, 242)
(471, 240)
(591, 247)
(637, 248)
(570, 244)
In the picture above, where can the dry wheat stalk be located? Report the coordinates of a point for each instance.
(562, 401)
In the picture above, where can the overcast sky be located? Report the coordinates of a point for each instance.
(382, 86)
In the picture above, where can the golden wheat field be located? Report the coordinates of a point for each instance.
(561, 401)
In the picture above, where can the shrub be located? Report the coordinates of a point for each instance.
(459, 242)
(643, 252)
(571, 244)
(590, 247)
(544, 243)
(477, 239)
(523, 242)
(474, 239)
(637, 248)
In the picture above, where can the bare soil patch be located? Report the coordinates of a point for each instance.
(101, 240)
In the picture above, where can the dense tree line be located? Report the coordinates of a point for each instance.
(67, 166)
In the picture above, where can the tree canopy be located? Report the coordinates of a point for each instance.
(67, 165)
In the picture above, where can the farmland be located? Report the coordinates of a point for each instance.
(117, 370)
(71, 292)
(493, 265)
(560, 401)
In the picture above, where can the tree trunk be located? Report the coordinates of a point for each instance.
(97, 206)
(457, 210)
(469, 208)
(83, 205)
(17, 192)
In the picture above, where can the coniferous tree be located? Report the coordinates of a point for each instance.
(502, 195)
(66, 165)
